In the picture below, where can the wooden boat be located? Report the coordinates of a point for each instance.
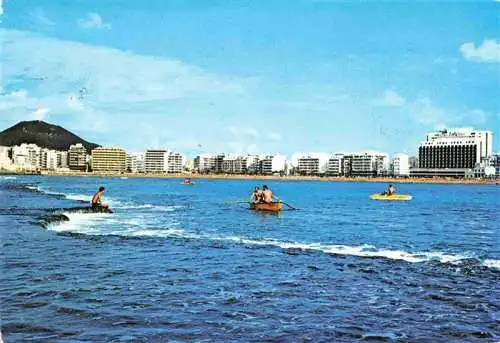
(400, 197)
(270, 207)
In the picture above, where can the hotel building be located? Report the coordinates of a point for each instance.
(312, 164)
(209, 163)
(5, 158)
(135, 163)
(400, 165)
(109, 160)
(452, 152)
(369, 163)
(77, 157)
(272, 164)
(156, 161)
(175, 162)
(335, 165)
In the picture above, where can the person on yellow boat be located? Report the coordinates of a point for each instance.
(390, 191)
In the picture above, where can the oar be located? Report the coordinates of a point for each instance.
(287, 204)
(291, 207)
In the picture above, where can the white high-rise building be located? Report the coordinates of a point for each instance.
(209, 163)
(455, 148)
(175, 162)
(77, 157)
(62, 159)
(135, 163)
(156, 161)
(26, 156)
(400, 165)
(312, 164)
(5, 160)
(366, 163)
(272, 164)
(335, 165)
(48, 159)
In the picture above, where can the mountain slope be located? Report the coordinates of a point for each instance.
(43, 134)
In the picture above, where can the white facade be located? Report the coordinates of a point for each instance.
(136, 163)
(48, 159)
(455, 148)
(272, 164)
(156, 161)
(5, 160)
(367, 163)
(62, 159)
(26, 156)
(312, 164)
(400, 165)
(78, 159)
(206, 163)
(335, 165)
(175, 162)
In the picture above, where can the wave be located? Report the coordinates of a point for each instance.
(91, 224)
(9, 177)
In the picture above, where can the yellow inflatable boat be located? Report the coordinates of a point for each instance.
(400, 197)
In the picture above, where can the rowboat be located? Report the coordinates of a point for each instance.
(269, 207)
(400, 197)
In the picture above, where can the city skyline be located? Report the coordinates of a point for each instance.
(252, 78)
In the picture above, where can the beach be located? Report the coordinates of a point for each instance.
(413, 180)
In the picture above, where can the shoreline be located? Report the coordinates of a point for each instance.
(437, 180)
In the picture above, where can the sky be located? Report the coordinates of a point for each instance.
(252, 76)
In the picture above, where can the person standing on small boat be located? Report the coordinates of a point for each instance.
(97, 204)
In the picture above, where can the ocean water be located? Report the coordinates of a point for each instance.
(188, 263)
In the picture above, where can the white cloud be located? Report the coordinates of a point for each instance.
(425, 112)
(390, 99)
(40, 113)
(40, 18)
(112, 78)
(93, 21)
(246, 131)
(488, 51)
(274, 136)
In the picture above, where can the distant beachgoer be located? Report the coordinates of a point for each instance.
(267, 195)
(97, 204)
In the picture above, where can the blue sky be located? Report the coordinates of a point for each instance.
(252, 76)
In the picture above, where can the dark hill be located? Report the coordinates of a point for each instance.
(42, 134)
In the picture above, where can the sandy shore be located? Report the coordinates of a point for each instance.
(283, 178)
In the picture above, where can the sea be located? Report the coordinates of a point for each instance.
(192, 263)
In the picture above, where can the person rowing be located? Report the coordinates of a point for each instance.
(256, 196)
(390, 191)
(97, 204)
(267, 195)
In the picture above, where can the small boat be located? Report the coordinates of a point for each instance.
(400, 197)
(270, 207)
(188, 182)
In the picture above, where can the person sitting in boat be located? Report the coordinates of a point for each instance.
(187, 181)
(256, 196)
(267, 195)
(390, 191)
(97, 204)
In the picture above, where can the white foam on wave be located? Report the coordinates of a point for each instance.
(9, 177)
(490, 263)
